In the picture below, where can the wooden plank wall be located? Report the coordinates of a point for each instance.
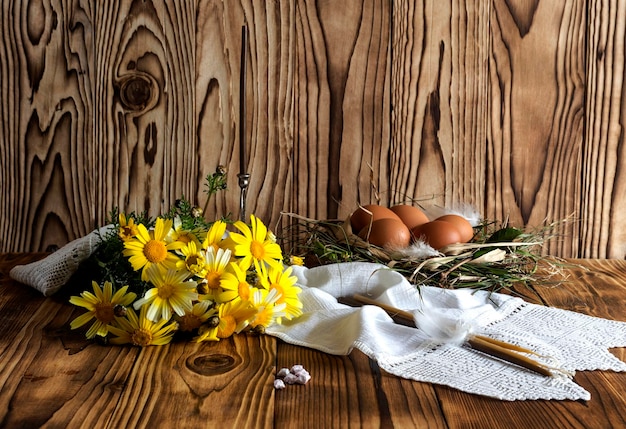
(514, 107)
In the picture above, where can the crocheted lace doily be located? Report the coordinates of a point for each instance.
(51, 273)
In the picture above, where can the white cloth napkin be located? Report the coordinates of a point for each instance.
(569, 341)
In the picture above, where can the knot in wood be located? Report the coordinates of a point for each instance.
(137, 92)
(212, 364)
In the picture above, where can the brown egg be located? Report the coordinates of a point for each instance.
(437, 233)
(387, 232)
(410, 215)
(462, 224)
(364, 215)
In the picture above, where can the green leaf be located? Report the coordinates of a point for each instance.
(504, 235)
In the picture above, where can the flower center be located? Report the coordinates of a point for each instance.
(257, 250)
(184, 238)
(104, 312)
(155, 251)
(263, 317)
(195, 264)
(166, 290)
(227, 326)
(127, 232)
(213, 280)
(244, 291)
(281, 292)
(141, 337)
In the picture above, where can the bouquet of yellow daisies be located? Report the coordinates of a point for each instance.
(178, 273)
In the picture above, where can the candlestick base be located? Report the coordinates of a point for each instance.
(244, 181)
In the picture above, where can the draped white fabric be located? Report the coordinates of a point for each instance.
(566, 340)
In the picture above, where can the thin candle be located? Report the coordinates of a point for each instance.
(499, 349)
(242, 101)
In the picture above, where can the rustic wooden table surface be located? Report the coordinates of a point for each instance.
(51, 376)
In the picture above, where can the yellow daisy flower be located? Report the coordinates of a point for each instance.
(234, 317)
(199, 314)
(141, 331)
(101, 305)
(215, 264)
(206, 333)
(284, 283)
(215, 236)
(296, 260)
(128, 228)
(185, 236)
(172, 292)
(149, 248)
(255, 245)
(268, 310)
(194, 260)
(234, 284)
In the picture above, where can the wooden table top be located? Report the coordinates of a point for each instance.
(52, 376)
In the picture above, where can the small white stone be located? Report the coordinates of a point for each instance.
(296, 369)
(291, 378)
(303, 377)
(279, 384)
(282, 373)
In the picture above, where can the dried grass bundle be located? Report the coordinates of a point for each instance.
(499, 257)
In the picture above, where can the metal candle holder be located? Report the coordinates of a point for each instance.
(244, 178)
(244, 181)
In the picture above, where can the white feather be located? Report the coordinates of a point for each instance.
(442, 329)
(466, 210)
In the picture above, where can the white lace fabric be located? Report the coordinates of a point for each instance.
(566, 341)
(52, 272)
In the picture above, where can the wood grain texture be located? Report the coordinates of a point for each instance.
(537, 120)
(378, 400)
(46, 68)
(51, 376)
(439, 81)
(341, 87)
(269, 105)
(63, 369)
(103, 114)
(144, 152)
(515, 108)
(228, 382)
(603, 227)
(326, 407)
